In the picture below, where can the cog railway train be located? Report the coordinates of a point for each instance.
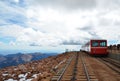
(96, 47)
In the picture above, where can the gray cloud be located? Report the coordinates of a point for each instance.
(34, 44)
(109, 4)
(86, 28)
(105, 22)
(71, 42)
(77, 4)
(94, 35)
(117, 23)
(69, 4)
(91, 31)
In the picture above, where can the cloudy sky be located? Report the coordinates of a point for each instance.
(56, 25)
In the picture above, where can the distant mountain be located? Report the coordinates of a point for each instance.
(1, 55)
(19, 58)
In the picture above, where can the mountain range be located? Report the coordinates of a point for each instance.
(20, 58)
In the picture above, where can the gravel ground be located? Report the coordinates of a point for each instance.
(102, 71)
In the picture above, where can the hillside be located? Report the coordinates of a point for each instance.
(41, 70)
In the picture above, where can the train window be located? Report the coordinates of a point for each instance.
(94, 44)
(102, 44)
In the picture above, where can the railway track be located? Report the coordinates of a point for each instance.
(114, 65)
(76, 69)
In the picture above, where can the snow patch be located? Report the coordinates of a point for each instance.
(28, 80)
(35, 76)
(10, 80)
(5, 74)
(22, 75)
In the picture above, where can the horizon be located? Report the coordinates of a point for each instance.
(25, 52)
(7, 52)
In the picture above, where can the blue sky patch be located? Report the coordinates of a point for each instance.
(17, 19)
(6, 39)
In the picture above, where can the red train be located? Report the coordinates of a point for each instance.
(96, 47)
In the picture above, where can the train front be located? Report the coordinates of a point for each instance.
(98, 47)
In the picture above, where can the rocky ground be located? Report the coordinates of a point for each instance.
(41, 70)
(114, 51)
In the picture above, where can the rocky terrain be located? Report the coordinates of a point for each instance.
(114, 49)
(41, 70)
(20, 58)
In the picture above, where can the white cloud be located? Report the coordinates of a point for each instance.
(11, 30)
(12, 43)
(1, 43)
(31, 36)
(17, 1)
(52, 23)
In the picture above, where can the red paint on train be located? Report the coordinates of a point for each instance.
(96, 47)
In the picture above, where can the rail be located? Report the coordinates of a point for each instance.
(85, 69)
(75, 68)
(113, 62)
(59, 79)
(72, 72)
(110, 64)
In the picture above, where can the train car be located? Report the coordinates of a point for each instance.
(96, 47)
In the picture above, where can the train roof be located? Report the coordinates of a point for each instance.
(98, 39)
